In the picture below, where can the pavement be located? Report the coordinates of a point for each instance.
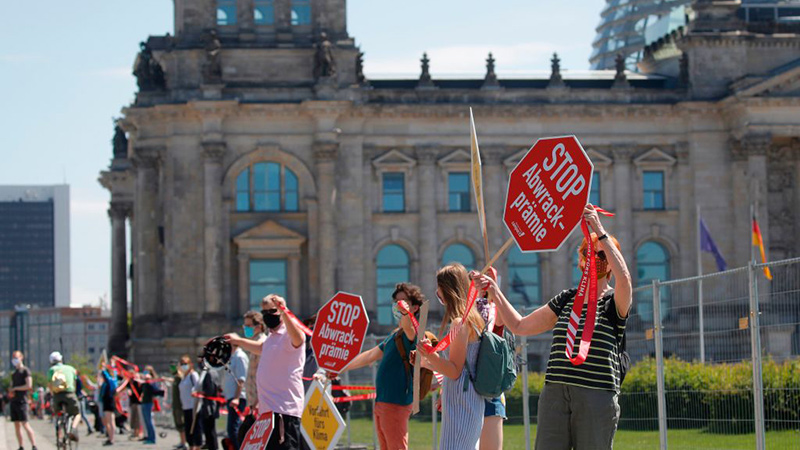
(46, 438)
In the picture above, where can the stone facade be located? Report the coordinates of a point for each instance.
(727, 139)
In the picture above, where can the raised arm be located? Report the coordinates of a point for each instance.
(250, 345)
(622, 276)
(537, 322)
(364, 359)
(452, 367)
(297, 336)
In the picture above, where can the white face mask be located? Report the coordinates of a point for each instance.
(184, 368)
(15, 362)
(441, 302)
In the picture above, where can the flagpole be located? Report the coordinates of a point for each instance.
(752, 245)
(700, 289)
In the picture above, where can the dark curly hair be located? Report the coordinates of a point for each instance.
(412, 291)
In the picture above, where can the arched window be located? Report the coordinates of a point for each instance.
(524, 285)
(392, 267)
(459, 253)
(264, 12)
(267, 186)
(226, 12)
(652, 263)
(301, 12)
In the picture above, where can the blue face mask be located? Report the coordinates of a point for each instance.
(249, 331)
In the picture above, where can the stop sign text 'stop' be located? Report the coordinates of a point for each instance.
(547, 192)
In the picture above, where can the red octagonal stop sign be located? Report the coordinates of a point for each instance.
(547, 192)
(339, 331)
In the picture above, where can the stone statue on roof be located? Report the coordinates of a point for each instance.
(148, 72)
(324, 62)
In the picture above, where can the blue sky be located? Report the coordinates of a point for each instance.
(65, 74)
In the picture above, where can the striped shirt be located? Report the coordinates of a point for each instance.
(601, 368)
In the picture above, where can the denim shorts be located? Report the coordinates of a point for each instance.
(495, 407)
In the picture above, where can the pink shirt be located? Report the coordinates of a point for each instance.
(280, 374)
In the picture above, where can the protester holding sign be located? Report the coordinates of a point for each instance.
(578, 406)
(462, 408)
(393, 382)
(280, 372)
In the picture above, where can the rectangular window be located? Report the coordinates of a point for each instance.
(264, 12)
(458, 191)
(301, 12)
(226, 12)
(594, 193)
(653, 184)
(291, 191)
(267, 276)
(267, 187)
(394, 192)
(243, 191)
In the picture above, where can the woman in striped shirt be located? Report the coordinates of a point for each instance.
(578, 407)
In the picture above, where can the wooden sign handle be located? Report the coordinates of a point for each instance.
(423, 324)
(497, 255)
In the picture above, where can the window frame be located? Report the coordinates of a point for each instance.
(302, 3)
(402, 194)
(450, 245)
(450, 173)
(524, 266)
(645, 191)
(646, 297)
(224, 5)
(261, 3)
(380, 300)
(283, 172)
(250, 283)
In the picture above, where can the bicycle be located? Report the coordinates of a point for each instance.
(63, 430)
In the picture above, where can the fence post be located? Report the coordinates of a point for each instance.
(346, 381)
(755, 350)
(434, 415)
(526, 408)
(662, 401)
(702, 322)
(374, 369)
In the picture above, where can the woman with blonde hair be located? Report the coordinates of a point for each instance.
(578, 406)
(462, 407)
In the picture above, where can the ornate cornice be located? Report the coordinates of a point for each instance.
(147, 157)
(427, 154)
(623, 153)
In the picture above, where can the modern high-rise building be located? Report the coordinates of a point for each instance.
(628, 26)
(34, 246)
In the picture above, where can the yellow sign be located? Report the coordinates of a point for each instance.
(321, 424)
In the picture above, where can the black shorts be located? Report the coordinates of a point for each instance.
(108, 405)
(193, 437)
(19, 411)
(291, 433)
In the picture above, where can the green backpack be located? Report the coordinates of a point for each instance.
(496, 368)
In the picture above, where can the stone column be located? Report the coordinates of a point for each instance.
(244, 282)
(741, 205)
(494, 189)
(293, 270)
(756, 146)
(325, 154)
(623, 222)
(212, 204)
(118, 212)
(146, 161)
(428, 263)
(687, 233)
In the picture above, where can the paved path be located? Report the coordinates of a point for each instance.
(45, 438)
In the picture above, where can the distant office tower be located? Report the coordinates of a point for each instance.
(626, 26)
(34, 246)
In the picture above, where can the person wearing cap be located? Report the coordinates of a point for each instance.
(61, 381)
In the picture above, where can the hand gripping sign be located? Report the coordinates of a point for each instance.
(339, 331)
(258, 435)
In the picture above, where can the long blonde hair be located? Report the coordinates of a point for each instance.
(453, 280)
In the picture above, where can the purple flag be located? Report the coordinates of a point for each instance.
(707, 245)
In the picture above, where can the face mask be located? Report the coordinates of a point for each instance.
(15, 362)
(271, 320)
(396, 312)
(184, 368)
(249, 332)
(441, 302)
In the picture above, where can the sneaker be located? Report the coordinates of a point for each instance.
(72, 436)
(107, 443)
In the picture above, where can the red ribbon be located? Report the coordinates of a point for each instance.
(297, 321)
(444, 343)
(354, 398)
(352, 388)
(587, 291)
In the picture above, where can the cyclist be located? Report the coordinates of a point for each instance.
(61, 381)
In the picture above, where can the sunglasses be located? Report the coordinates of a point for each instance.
(600, 255)
(271, 311)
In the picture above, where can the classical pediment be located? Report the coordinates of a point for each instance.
(783, 81)
(514, 159)
(394, 159)
(459, 156)
(599, 160)
(655, 157)
(269, 235)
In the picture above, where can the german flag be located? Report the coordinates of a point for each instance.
(758, 241)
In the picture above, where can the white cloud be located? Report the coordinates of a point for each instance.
(469, 59)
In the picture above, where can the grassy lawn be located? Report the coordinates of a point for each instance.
(421, 437)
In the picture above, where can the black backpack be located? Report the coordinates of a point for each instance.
(622, 345)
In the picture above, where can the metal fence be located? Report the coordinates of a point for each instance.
(715, 362)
